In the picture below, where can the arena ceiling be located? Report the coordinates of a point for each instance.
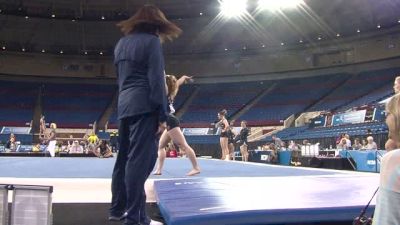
(80, 27)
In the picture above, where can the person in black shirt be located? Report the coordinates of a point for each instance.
(224, 125)
(242, 137)
(231, 141)
(173, 131)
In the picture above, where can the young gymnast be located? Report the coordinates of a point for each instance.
(173, 130)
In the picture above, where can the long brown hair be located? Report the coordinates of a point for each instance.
(150, 19)
(172, 86)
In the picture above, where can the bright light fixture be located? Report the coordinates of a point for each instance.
(233, 8)
(274, 5)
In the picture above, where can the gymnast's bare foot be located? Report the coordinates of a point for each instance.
(193, 172)
(157, 172)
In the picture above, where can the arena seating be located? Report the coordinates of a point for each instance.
(358, 86)
(214, 97)
(290, 97)
(17, 100)
(75, 105)
(370, 98)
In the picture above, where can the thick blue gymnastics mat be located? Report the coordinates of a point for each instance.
(264, 200)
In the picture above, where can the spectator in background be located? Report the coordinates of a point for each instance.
(70, 141)
(296, 153)
(274, 153)
(388, 201)
(339, 139)
(348, 141)
(12, 143)
(75, 148)
(103, 149)
(51, 140)
(342, 144)
(371, 145)
(278, 142)
(357, 145)
(93, 140)
(364, 144)
(293, 146)
(42, 126)
(306, 142)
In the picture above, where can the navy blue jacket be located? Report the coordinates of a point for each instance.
(141, 77)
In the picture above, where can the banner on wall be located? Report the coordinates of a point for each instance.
(379, 114)
(15, 130)
(320, 121)
(195, 131)
(349, 117)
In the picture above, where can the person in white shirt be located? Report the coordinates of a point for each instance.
(371, 145)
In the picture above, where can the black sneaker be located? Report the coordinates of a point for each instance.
(117, 218)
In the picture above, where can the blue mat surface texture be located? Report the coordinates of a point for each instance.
(270, 200)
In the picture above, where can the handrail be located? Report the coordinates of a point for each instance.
(348, 159)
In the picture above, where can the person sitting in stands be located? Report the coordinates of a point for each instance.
(357, 145)
(11, 143)
(371, 145)
(363, 144)
(75, 148)
(388, 200)
(342, 144)
(104, 150)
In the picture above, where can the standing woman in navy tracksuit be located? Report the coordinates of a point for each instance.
(142, 109)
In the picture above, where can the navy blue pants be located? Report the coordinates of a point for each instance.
(135, 161)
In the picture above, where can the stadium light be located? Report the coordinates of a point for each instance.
(274, 5)
(233, 8)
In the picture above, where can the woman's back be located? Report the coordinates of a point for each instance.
(140, 71)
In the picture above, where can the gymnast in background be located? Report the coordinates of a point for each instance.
(242, 139)
(173, 131)
(224, 136)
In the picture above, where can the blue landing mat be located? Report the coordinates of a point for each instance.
(174, 168)
(268, 200)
